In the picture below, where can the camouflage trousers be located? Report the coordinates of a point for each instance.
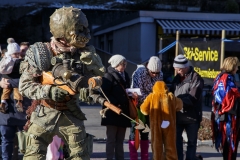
(67, 127)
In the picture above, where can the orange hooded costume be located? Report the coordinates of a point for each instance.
(161, 106)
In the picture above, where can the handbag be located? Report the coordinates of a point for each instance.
(132, 109)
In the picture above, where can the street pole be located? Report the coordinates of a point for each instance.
(177, 46)
(222, 47)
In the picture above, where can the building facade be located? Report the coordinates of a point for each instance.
(143, 34)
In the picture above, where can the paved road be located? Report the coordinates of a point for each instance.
(93, 127)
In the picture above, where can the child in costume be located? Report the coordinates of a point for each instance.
(9, 68)
(161, 106)
(144, 77)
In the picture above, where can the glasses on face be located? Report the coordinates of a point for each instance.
(23, 50)
(123, 64)
(178, 69)
(154, 72)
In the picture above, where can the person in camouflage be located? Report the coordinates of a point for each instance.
(56, 112)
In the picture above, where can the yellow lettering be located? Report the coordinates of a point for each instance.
(196, 54)
(200, 55)
(216, 55)
(210, 73)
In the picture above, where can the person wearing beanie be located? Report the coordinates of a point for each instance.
(154, 64)
(9, 68)
(12, 110)
(114, 83)
(144, 77)
(188, 86)
(116, 60)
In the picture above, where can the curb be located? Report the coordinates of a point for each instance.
(205, 143)
(103, 140)
(199, 143)
(99, 140)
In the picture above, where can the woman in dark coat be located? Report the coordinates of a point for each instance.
(115, 81)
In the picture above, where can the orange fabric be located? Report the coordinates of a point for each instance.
(7, 91)
(16, 94)
(162, 105)
(137, 141)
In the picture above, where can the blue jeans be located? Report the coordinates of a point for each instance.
(7, 134)
(192, 134)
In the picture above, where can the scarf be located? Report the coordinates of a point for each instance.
(60, 47)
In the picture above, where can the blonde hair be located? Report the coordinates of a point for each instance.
(229, 64)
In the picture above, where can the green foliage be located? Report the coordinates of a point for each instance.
(232, 7)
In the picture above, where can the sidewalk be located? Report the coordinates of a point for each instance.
(93, 126)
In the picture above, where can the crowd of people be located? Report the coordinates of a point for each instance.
(13, 105)
(50, 115)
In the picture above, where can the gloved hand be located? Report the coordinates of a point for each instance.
(84, 96)
(57, 94)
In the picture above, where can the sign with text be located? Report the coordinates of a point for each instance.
(204, 57)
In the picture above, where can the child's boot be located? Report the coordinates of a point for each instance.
(3, 106)
(19, 106)
(132, 150)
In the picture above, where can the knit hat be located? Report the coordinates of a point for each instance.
(154, 64)
(116, 60)
(180, 61)
(12, 47)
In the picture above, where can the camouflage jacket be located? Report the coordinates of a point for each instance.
(38, 59)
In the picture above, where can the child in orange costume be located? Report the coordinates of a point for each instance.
(161, 106)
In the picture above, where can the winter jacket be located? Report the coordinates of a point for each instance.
(15, 70)
(6, 64)
(112, 86)
(13, 117)
(141, 79)
(190, 92)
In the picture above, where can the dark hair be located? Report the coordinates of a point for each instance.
(25, 43)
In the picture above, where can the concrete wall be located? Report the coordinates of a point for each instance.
(136, 42)
(22, 2)
(127, 42)
(148, 40)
